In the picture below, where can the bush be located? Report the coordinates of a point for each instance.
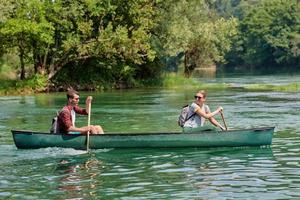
(34, 84)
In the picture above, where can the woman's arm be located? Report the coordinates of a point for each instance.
(201, 113)
(216, 123)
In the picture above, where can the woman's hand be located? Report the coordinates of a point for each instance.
(222, 128)
(220, 109)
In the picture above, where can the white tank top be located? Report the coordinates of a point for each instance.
(73, 114)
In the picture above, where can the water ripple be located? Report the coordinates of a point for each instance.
(187, 173)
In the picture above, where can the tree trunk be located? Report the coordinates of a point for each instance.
(21, 55)
(187, 71)
(39, 62)
(53, 69)
(36, 63)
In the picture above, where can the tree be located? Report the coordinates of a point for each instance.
(50, 34)
(271, 34)
(23, 25)
(106, 30)
(191, 27)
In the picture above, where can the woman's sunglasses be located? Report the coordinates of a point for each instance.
(197, 97)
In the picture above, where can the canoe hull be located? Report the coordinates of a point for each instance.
(236, 138)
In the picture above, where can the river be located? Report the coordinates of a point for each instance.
(190, 173)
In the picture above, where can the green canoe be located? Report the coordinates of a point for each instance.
(232, 138)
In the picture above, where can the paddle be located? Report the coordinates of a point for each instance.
(89, 122)
(224, 120)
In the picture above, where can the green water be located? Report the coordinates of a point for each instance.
(191, 173)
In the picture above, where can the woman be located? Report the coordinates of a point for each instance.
(197, 114)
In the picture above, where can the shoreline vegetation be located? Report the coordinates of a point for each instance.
(39, 84)
(50, 46)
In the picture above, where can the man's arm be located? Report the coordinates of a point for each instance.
(85, 111)
(83, 129)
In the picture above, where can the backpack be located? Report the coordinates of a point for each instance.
(183, 117)
(54, 125)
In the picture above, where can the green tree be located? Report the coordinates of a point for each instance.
(113, 31)
(229, 8)
(193, 28)
(23, 25)
(271, 34)
(52, 34)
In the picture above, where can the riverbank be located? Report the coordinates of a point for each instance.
(39, 84)
(36, 84)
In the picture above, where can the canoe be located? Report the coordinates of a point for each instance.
(233, 138)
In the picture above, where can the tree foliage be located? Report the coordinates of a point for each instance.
(24, 26)
(116, 41)
(191, 27)
(51, 34)
(270, 34)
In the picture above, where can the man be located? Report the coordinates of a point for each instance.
(66, 117)
(197, 114)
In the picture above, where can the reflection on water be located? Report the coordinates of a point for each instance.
(164, 172)
(187, 173)
(76, 178)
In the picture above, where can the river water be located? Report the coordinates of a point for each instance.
(190, 173)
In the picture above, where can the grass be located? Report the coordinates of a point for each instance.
(31, 85)
(39, 83)
(291, 87)
(174, 81)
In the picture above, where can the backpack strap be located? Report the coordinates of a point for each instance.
(191, 115)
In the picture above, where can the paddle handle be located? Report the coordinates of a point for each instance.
(89, 114)
(89, 123)
(222, 115)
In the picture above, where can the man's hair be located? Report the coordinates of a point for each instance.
(71, 93)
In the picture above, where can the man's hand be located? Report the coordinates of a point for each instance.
(89, 100)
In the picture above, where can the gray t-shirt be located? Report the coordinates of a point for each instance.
(196, 120)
